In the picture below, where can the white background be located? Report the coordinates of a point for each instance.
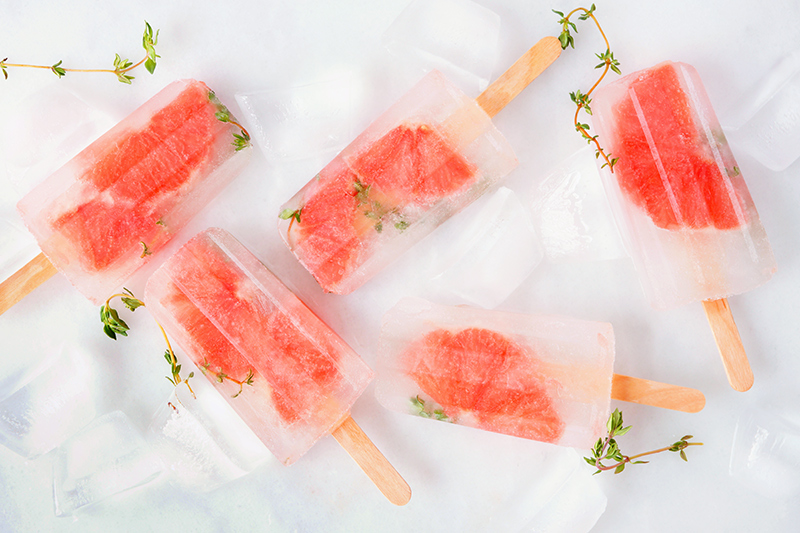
(250, 46)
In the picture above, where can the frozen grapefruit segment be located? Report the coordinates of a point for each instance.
(482, 374)
(666, 164)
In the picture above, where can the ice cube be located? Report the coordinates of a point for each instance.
(489, 250)
(299, 122)
(572, 215)
(202, 441)
(107, 457)
(768, 119)
(51, 407)
(457, 37)
(575, 507)
(765, 455)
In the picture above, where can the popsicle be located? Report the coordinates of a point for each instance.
(545, 378)
(429, 155)
(285, 372)
(679, 195)
(107, 211)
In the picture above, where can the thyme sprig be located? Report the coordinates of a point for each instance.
(375, 210)
(607, 62)
(427, 411)
(607, 449)
(121, 66)
(223, 114)
(221, 376)
(113, 325)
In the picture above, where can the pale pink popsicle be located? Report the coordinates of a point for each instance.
(681, 200)
(545, 378)
(118, 202)
(238, 322)
(429, 155)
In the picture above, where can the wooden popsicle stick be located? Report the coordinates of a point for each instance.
(729, 344)
(657, 394)
(353, 439)
(23, 281)
(519, 75)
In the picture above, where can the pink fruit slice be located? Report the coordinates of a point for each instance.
(665, 162)
(411, 165)
(134, 176)
(257, 336)
(482, 373)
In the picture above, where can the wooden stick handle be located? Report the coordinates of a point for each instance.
(729, 344)
(519, 75)
(372, 462)
(657, 394)
(23, 281)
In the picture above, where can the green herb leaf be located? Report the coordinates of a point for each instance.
(58, 71)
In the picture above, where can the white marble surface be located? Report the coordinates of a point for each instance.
(497, 481)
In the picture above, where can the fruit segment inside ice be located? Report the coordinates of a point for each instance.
(689, 219)
(424, 159)
(288, 375)
(544, 378)
(122, 198)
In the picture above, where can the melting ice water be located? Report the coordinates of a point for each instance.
(107, 457)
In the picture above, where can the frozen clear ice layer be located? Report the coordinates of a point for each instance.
(572, 215)
(765, 455)
(299, 122)
(489, 250)
(202, 441)
(457, 37)
(770, 117)
(108, 457)
(51, 407)
(43, 130)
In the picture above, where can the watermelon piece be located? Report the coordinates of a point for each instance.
(481, 373)
(667, 164)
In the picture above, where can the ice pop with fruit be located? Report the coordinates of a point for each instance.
(429, 155)
(681, 200)
(545, 378)
(283, 370)
(108, 210)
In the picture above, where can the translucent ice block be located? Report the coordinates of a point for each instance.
(288, 375)
(201, 440)
(103, 214)
(429, 155)
(108, 457)
(493, 251)
(688, 218)
(771, 131)
(545, 378)
(458, 37)
(51, 407)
